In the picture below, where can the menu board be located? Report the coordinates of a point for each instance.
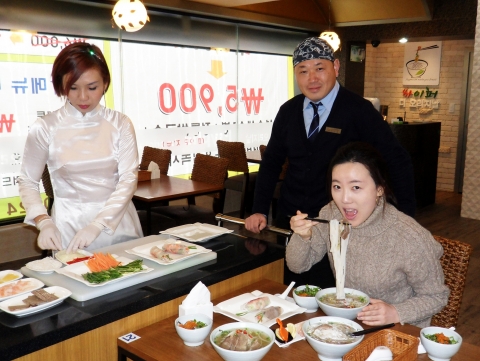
(179, 98)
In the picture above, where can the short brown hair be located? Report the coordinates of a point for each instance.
(74, 60)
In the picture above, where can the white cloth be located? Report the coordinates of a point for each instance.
(93, 163)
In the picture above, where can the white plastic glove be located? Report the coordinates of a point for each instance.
(49, 237)
(85, 237)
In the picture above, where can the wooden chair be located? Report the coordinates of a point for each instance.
(237, 162)
(18, 242)
(47, 185)
(206, 169)
(160, 156)
(456, 256)
(281, 177)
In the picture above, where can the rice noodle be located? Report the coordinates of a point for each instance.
(339, 253)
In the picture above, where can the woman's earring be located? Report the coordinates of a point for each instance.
(377, 200)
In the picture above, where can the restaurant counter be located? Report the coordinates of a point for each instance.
(88, 330)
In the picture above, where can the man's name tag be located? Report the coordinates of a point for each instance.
(129, 337)
(333, 130)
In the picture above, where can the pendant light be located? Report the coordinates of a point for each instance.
(130, 15)
(330, 37)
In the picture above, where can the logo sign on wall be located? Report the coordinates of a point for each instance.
(422, 63)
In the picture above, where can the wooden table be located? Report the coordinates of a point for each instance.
(254, 156)
(154, 192)
(160, 341)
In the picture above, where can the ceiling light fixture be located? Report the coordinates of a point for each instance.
(130, 15)
(330, 37)
(403, 40)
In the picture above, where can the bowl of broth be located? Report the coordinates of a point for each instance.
(242, 341)
(347, 308)
(330, 336)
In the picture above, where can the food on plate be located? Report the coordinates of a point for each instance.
(37, 298)
(339, 242)
(113, 272)
(8, 277)
(170, 248)
(350, 300)
(80, 259)
(101, 262)
(332, 332)
(268, 314)
(44, 264)
(281, 332)
(71, 258)
(192, 324)
(257, 304)
(242, 339)
(15, 288)
(307, 291)
(441, 338)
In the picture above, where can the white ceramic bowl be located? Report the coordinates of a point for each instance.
(437, 351)
(350, 313)
(306, 302)
(197, 336)
(328, 351)
(229, 355)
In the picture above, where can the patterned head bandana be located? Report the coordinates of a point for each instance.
(312, 48)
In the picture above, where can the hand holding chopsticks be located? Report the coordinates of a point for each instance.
(319, 220)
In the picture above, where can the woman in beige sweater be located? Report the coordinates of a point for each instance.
(390, 256)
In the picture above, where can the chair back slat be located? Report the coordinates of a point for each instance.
(160, 156)
(454, 261)
(209, 169)
(235, 153)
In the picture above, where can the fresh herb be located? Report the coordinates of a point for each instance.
(113, 273)
(192, 247)
(441, 338)
(307, 291)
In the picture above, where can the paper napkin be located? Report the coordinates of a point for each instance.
(153, 167)
(197, 301)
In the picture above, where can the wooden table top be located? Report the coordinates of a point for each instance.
(169, 188)
(161, 342)
(254, 156)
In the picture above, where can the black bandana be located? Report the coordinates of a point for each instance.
(312, 48)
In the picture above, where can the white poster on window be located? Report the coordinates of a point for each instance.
(422, 63)
(182, 99)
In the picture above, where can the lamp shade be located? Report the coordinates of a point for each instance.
(130, 15)
(332, 38)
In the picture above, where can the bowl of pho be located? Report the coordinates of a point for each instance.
(348, 307)
(440, 343)
(242, 341)
(330, 336)
(193, 329)
(304, 296)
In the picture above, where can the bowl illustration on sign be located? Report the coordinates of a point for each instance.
(416, 68)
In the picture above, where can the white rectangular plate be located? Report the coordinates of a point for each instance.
(235, 305)
(34, 284)
(144, 251)
(60, 292)
(197, 232)
(76, 270)
(17, 274)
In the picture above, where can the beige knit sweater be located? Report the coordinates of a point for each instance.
(389, 257)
